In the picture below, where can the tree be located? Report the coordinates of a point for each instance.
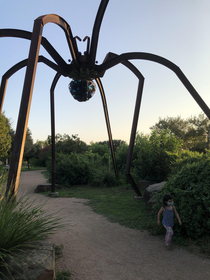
(198, 133)
(175, 125)
(5, 138)
(29, 149)
(36, 160)
(44, 156)
(116, 143)
(155, 155)
(102, 150)
(192, 131)
(66, 144)
(12, 135)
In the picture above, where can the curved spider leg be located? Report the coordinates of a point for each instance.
(16, 68)
(134, 125)
(140, 77)
(17, 33)
(13, 70)
(98, 81)
(52, 108)
(67, 30)
(5, 78)
(95, 33)
(18, 149)
(3, 85)
(161, 60)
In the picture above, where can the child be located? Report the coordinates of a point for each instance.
(168, 211)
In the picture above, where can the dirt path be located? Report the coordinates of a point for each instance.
(95, 249)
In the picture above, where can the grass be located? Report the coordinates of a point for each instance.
(58, 251)
(61, 274)
(119, 206)
(32, 168)
(3, 176)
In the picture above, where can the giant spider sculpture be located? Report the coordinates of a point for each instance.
(82, 70)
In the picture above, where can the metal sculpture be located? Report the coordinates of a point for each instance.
(82, 70)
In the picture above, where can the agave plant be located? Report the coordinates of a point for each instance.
(21, 221)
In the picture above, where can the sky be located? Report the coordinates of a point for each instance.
(175, 29)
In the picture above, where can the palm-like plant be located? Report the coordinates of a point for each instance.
(21, 221)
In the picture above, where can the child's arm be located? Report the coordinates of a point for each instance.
(158, 215)
(177, 215)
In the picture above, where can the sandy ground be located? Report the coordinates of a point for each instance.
(95, 249)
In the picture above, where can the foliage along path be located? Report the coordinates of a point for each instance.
(95, 249)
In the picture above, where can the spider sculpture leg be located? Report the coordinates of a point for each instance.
(52, 109)
(61, 68)
(56, 78)
(17, 67)
(107, 124)
(161, 60)
(131, 67)
(36, 38)
(16, 33)
(112, 60)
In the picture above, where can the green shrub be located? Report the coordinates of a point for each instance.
(104, 178)
(73, 169)
(187, 157)
(121, 157)
(191, 191)
(154, 155)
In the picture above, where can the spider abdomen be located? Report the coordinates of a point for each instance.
(82, 90)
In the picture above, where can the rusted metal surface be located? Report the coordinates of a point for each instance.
(19, 143)
(100, 86)
(95, 33)
(52, 111)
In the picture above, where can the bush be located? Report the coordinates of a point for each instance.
(121, 157)
(103, 177)
(154, 155)
(187, 157)
(73, 169)
(190, 188)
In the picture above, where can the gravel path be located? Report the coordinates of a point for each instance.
(95, 249)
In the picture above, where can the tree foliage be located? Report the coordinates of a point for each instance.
(102, 150)
(192, 131)
(70, 144)
(29, 149)
(5, 138)
(116, 143)
(155, 154)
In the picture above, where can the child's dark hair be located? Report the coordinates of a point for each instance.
(166, 198)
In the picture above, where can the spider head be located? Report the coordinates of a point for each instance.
(82, 90)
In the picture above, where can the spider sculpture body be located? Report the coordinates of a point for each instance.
(83, 70)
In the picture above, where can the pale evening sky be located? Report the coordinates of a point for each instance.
(175, 29)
